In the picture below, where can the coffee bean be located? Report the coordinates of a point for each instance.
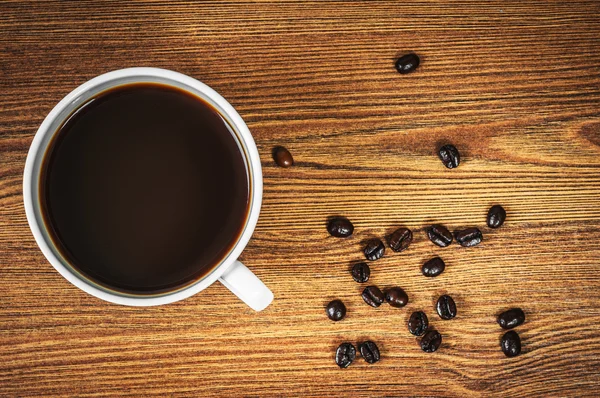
(431, 341)
(340, 227)
(407, 63)
(433, 267)
(282, 157)
(439, 235)
(361, 272)
(374, 249)
(449, 156)
(511, 318)
(496, 216)
(418, 323)
(400, 239)
(511, 344)
(396, 297)
(468, 237)
(446, 307)
(336, 310)
(345, 354)
(373, 296)
(369, 351)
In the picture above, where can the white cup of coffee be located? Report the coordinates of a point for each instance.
(71, 207)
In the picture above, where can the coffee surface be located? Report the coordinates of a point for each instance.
(144, 189)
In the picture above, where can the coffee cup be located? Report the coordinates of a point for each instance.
(226, 268)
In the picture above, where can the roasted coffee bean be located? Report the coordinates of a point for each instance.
(282, 157)
(369, 351)
(374, 249)
(407, 63)
(431, 341)
(373, 296)
(345, 354)
(361, 272)
(449, 156)
(336, 310)
(400, 239)
(340, 227)
(418, 323)
(468, 237)
(496, 216)
(446, 307)
(439, 235)
(396, 297)
(511, 318)
(433, 267)
(511, 344)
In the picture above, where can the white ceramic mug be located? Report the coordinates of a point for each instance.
(230, 272)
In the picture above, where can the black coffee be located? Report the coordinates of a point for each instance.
(145, 189)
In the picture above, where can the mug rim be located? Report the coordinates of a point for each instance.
(71, 102)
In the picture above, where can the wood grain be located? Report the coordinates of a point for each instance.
(515, 85)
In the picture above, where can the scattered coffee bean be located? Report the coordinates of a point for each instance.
(396, 297)
(431, 341)
(439, 235)
(496, 216)
(283, 157)
(449, 156)
(373, 296)
(511, 318)
(446, 307)
(511, 344)
(361, 272)
(418, 323)
(468, 237)
(374, 249)
(336, 310)
(369, 351)
(400, 239)
(340, 227)
(345, 354)
(433, 267)
(407, 63)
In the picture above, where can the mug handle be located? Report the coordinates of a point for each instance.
(244, 284)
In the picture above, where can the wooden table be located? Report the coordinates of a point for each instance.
(514, 85)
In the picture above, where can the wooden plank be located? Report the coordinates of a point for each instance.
(514, 85)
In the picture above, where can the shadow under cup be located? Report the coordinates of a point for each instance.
(144, 189)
